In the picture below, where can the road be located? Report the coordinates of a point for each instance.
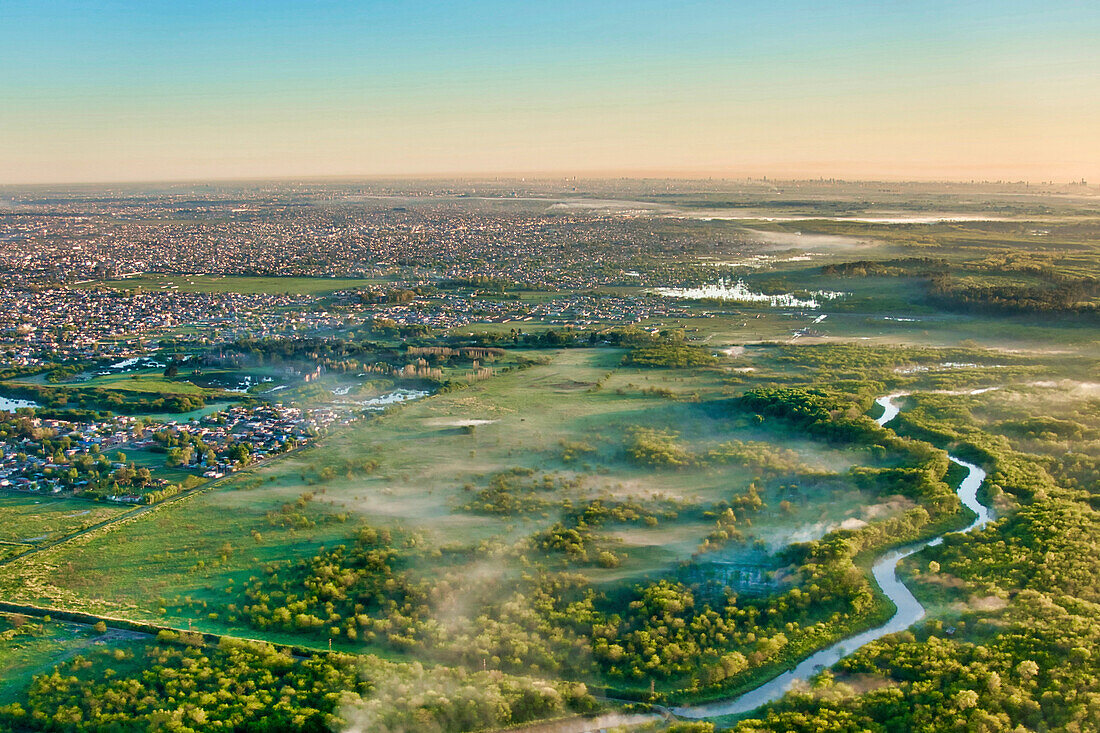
(142, 509)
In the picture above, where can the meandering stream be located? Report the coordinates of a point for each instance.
(909, 609)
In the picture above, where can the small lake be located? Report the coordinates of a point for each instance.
(10, 405)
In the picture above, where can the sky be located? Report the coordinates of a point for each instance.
(102, 90)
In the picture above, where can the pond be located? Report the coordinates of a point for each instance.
(8, 404)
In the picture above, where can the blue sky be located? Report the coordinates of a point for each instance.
(154, 90)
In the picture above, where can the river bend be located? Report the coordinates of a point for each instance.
(884, 571)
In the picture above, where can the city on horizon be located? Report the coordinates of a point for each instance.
(474, 366)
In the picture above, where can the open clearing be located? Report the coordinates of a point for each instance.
(426, 452)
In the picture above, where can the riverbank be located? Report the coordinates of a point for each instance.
(884, 570)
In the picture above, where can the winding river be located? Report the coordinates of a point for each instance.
(909, 609)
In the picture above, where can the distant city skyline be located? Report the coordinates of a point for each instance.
(153, 91)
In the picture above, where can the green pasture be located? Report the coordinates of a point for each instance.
(169, 562)
(30, 646)
(28, 519)
(149, 381)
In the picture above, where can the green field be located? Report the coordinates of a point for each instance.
(27, 520)
(29, 647)
(145, 381)
(187, 557)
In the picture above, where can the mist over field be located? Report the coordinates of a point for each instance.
(465, 459)
(549, 367)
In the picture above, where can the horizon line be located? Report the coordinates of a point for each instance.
(638, 174)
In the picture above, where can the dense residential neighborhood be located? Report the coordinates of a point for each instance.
(90, 458)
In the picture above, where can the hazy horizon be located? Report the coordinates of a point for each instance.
(124, 92)
(534, 177)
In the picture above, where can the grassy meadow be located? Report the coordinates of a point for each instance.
(428, 456)
(28, 520)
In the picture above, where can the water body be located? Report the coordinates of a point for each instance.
(9, 405)
(126, 363)
(884, 571)
(182, 417)
(391, 398)
(142, 362)
(739, 292)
